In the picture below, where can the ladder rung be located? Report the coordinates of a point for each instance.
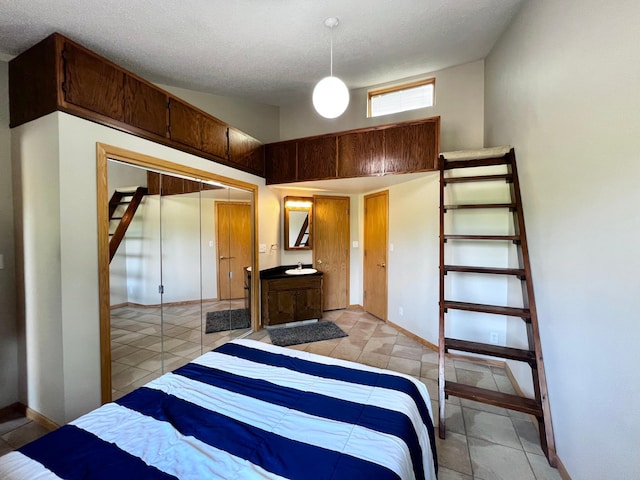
(115, 218)
(479, 178)
(478, 162)
(492, 350)
(513, 238)
(495, 309)
(480, 205)
(499, 271)
(498, 399)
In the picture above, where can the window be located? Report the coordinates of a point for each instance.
(401, 98)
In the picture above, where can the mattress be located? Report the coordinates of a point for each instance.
(242, 411)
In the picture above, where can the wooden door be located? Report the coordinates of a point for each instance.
(233, 238)
(331, 248)
(376, 219)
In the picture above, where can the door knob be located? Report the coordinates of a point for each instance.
(225, 258)
(382, 265)
(319, 261)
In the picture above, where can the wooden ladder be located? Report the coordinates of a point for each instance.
(132, 200)
(538, 406)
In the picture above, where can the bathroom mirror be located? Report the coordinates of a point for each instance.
(298, 215)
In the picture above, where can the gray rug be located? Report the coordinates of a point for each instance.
(312, 332)
(227, 320)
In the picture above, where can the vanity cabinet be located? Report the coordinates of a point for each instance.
(291, 298)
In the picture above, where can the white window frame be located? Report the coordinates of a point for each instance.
(401, 88)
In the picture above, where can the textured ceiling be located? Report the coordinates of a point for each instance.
(268, 51)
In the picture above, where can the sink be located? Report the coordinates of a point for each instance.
(300, 271)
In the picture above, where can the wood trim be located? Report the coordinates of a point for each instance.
(413, 336)
(104, 260)
(105, 152)
(41, 419)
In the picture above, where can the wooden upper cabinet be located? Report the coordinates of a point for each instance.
(91, 83)
(145, 107)
(317, 158)
(185, 124)
(214, 136)
(280, 162)
(361, 154)
(412, 147)
(246, 151)
(59, 74)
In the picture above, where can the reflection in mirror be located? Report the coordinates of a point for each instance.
(297, 223)
(180, 280)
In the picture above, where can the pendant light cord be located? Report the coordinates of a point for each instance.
(331, 68)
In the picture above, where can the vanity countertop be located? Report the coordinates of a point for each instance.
(279, 272)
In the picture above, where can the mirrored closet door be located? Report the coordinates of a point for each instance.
(180, 276)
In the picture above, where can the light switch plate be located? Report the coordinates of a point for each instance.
(262, 248)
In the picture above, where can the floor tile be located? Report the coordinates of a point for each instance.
(25, 434)
(491, 427)
(496, 462)
(542, 469)
(404, 365)
(453, 453)
(528, 435)
(446, 474)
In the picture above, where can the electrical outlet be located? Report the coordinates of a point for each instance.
(493, 338)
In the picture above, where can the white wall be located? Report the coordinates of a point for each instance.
(8, 326)
(57, 174)
(562, 86)
(258, 120)
(459, 102)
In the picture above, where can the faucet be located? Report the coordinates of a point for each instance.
(299, 265)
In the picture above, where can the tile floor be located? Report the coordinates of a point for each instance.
(483, 442)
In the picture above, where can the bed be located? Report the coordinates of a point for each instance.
(247, 410)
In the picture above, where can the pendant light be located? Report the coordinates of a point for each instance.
(331, 95)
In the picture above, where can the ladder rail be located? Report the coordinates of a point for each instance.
(533, 331)
(539, 406)
(441, 334)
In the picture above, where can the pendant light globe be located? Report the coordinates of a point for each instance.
(330, 97)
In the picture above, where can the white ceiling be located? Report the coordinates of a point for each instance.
(267, 51)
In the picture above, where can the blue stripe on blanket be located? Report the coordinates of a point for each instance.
(368, 416)
(338, 372)
(75, 454)
(274, 453)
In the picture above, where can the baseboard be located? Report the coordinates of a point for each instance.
(24, 411)
(40, 419)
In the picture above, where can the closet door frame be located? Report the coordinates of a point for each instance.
(103, 154)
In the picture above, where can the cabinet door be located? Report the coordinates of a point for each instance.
(317, 158)
(246, 151)
(361, 154)
(411, 148)
(280, 162)
(92, 83)
(308, 304)
(214, 136)
(145, 107)
(282, 306)
(185, 124)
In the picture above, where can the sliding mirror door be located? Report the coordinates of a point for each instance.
(180, 278)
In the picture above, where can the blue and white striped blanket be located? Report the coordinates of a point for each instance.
(247, 410)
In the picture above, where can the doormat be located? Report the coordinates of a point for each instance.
(227, 320)
(313, 332)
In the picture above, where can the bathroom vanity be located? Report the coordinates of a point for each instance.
(290, 297)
